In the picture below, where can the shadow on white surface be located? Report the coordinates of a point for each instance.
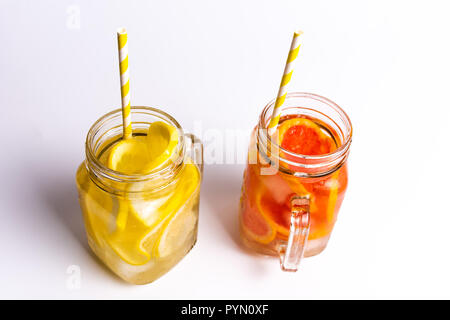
(221, 192)
(59, 195)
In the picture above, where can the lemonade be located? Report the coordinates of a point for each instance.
(140, 196)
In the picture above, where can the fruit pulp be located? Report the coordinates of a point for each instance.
(142, 232)
(265, 206)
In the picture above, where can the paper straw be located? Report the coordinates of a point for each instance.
(287, 74)
(122, 40)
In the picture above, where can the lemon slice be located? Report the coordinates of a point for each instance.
(130, 156)
(182, 210)
(140, 155)
(98, 206)
(162, 139)
(178, 231)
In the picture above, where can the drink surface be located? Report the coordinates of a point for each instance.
(137, 230)
(265, 210)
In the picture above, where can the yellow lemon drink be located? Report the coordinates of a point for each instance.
(139, 196)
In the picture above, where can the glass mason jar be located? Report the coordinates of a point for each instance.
(140, 226)
(290, 202)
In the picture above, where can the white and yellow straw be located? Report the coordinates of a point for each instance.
(288, 70)
(122, 39)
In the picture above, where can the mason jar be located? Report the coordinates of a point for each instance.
(140, 225)
(289, 201)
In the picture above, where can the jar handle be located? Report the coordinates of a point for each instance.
(194, 148)
(292, 251)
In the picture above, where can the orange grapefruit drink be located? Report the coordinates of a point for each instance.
(295, 180)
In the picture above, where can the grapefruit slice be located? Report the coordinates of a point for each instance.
(303, 136)
(279, 213)
(254, 224)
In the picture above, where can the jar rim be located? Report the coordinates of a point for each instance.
(339, 152)
(116, 175)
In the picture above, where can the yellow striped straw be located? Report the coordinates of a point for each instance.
(288, 70)
(122, 40)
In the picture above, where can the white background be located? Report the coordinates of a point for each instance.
(385, 62)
